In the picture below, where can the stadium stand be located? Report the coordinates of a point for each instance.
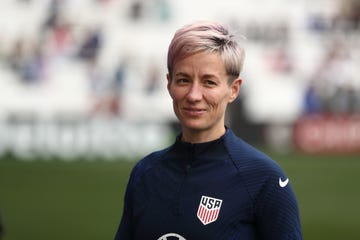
(77, 60)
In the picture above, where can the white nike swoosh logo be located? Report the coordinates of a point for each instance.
(283, 183)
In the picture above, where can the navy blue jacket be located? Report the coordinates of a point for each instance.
(223, 189)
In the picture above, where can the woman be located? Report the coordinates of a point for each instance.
(209, 184)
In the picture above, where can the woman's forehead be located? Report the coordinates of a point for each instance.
(204, 62)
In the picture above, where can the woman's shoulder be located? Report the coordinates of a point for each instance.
(249, 159)
(148, 162)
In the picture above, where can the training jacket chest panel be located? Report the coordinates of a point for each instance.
(170, 194)
(221, 190)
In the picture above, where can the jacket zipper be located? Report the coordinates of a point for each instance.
(188, 164)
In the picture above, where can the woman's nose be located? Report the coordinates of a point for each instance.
(195, 92)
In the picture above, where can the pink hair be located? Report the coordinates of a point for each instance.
(206, 36)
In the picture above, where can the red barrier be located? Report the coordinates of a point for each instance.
(328, 134)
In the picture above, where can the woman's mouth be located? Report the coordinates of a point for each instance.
(195, 112)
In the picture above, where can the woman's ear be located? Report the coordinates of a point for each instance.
(235, 89)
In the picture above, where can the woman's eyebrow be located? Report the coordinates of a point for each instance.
(209, 76)
(182, 74)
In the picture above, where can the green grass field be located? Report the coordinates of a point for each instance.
(81, 200)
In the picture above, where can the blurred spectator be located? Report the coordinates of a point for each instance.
(26, 59)
(348, 17)
(17, 55)
(104, 98)
(334, 82)
(60, 37)
(89, 49)
(57, 29)
(136, 11)
(154, 10)
(117, 85)
(120, 74)
(53, 14)
(33, 68)
(153, 78)
(312, 102)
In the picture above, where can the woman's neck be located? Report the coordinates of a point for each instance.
(201, 136)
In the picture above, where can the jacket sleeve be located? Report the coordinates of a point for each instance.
(277, 212)
(125, 229)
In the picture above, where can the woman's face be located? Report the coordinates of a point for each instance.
(200, 91)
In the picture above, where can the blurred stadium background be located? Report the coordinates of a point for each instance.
(83, 97)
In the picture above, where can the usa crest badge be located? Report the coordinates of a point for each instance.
(209, 209)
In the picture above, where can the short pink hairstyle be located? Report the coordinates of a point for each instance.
(206, 36)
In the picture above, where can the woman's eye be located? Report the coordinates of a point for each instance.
(182, 80)
(210, 82)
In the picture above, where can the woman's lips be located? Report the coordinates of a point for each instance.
(194, 111)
